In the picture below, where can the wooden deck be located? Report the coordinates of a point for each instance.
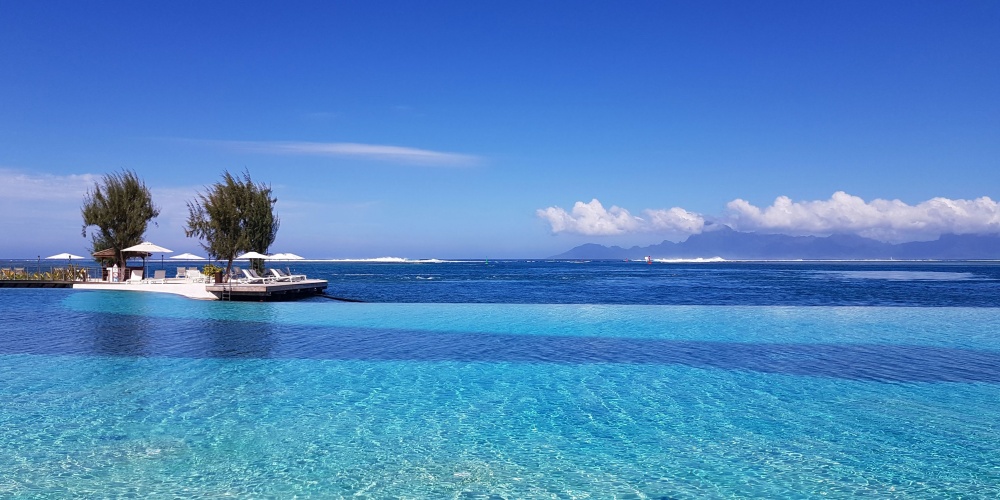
(261, 292)
(266, 292)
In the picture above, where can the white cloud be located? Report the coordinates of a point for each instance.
(885, 220)
(19, 186)
(592, 219)
(42, 213)
(675, 220)
(396, 154)
(47, 219)
(47, 194)
(41, 203)
(172, 202)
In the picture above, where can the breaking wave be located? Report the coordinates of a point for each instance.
(695, 260)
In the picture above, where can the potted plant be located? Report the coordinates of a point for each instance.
(213, 270)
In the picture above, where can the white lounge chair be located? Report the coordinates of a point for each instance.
(195, 275)
(135, 278)
(279, 275)
(181, 273)
(267, 279)
(159, 277)
(295, 277)
(252, 277)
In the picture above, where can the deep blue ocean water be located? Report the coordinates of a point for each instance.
(515, 380)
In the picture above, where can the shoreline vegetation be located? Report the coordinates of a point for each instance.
(68, 273)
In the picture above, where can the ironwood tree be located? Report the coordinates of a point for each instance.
(234, 216)
(120, 208)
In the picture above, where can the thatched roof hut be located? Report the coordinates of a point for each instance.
(109, 254)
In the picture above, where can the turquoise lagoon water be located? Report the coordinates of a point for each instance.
(130, 394)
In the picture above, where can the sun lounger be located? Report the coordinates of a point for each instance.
(279, 275)
(195, 275)
(252, 277)
(159, 277)
(181, 272)
(267, 279)
(135, 278)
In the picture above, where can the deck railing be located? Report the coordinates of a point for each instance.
(52, 273)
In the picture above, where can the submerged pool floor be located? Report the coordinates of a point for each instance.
(162, 396)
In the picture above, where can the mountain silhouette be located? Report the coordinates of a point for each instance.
(724, 242)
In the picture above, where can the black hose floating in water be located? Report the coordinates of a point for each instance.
(342, 299)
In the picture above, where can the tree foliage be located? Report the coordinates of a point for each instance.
(232, 217)
(120, 207)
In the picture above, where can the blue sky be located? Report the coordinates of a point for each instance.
(474, 129)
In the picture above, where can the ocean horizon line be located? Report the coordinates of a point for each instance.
(407, 260)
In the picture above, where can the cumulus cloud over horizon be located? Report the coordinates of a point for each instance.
(884, 220)
(592, 219)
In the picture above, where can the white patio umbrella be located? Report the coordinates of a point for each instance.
(284, 256)
(146, 246)
(251, 255)
(187, 256)
(64, 256)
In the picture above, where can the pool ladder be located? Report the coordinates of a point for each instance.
(227, 292)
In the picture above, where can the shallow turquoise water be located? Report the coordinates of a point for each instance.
(116, 394)
(213, 427)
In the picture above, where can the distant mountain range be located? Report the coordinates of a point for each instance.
(728, 244)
